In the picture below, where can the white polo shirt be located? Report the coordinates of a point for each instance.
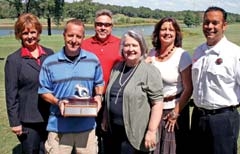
(216, 75)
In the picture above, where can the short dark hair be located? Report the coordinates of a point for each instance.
(155, 35)
(215, 8)
(75, 22)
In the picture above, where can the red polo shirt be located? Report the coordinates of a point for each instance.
(107, 52)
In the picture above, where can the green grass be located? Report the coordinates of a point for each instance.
(8, 142)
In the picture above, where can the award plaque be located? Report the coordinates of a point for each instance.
(81, 104)
(81, 107)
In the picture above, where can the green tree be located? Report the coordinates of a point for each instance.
(144, 12)
(6, 10)
(129, 11)
(52, 9)
(197, 19)
(189, 19)
(84, 10)
(17, 4)
(49, 9)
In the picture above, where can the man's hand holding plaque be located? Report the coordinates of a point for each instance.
(81, 104)
(61, 105)
(98, 98)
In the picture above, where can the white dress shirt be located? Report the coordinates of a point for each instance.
(216, 75)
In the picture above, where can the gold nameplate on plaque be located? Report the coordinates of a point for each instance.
(81, 107)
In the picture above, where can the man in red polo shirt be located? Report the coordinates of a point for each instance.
(106, 47)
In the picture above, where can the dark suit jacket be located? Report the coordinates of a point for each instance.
(21, 84)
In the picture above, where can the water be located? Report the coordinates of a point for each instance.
(118, 31)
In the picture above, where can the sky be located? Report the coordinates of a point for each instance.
(232, 6)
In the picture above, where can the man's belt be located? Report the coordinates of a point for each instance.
(215, 111)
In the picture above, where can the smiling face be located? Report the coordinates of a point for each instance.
(167, 33)
(27, 28)
(214, 27)
(103, 27)
(131, 51)
(30, 37)
(73, 37)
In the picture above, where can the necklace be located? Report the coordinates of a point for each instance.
(122, 84)
(161, 57)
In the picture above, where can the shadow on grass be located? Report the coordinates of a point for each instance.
(17, 149)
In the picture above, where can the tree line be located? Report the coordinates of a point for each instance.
(58, 10)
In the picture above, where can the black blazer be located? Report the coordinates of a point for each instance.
(21, 86)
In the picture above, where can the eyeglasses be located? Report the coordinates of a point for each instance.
(100, 24)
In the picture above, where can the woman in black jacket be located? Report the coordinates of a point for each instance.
(27, 112)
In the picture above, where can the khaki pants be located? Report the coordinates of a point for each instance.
(84, 143)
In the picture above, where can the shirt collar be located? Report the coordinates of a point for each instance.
(26, 53)
(62, 56)
(218, 47)
(108, 40)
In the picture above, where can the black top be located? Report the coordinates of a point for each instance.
(116, 96)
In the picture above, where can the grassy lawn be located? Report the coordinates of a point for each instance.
(8, 143)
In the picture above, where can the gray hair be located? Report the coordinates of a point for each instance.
(139, 38)
(103, 12)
